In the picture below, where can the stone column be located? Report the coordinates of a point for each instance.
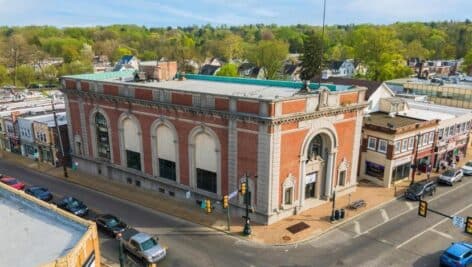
(84, 128)
(329, 174)
(232, 155)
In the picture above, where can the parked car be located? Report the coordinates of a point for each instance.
(13, 182)
(142, 245)
(110, 224)
(467, 168)
(418, 190)
(73, 206)
(458, 255)
(39, 193)
(451, 176)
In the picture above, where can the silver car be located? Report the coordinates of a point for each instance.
(451, 176)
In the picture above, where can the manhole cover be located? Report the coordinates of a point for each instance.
(286, 238)
(297, 227)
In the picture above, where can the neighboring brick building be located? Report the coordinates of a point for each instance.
(197, 137)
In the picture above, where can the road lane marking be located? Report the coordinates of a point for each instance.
(442, 234)
(357, 227)
(384, 214)
(429, 229)
(410, 205)
(405, 212)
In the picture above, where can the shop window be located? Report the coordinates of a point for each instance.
(288, 194)
(310, 190)
(374, 170)
(206, 180)
(342, 178)
(103, 143)
(382, 146)
(133, 160)
(400, 172)
(425, 139)
(167, 169)
(372, 143)
(440, 134)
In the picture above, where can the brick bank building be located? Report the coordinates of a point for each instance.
(196, 137)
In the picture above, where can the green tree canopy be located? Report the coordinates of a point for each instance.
(467, 64)
(312, 59)
(25, 74)
(229, 70)
(4, 75)
(269, 55)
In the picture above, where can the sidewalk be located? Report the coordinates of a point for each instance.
(276, 234)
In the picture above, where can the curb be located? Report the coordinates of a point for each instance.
(234, 235)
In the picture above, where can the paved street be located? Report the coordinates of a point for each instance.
(393, 235)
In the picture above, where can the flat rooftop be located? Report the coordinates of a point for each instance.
(229, 86)
(382, 119)
(33, 235)
(429, 111)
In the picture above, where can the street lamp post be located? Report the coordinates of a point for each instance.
(247, 223)
(332, 219)
(415, 159)
(120, 250)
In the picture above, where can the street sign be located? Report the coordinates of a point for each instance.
(458, 221)
(233, 194)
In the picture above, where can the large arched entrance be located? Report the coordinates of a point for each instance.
(317, 167)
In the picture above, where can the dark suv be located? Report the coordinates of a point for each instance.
(418, 190)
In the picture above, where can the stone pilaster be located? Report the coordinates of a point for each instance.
(263, 169)
(83, 128)
(232, 156)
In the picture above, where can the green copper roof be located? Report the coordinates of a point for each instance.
(103, 75)
(276, 83)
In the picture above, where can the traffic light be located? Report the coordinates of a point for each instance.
(208, 206)
(468, 225)
(225, 202)
(243, 188)
(422, 208)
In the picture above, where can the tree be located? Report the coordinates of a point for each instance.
(390, 66)
(268, 55)
(25, 74)
(4, 78)
(311, 58)
(229, 70)
(415, 49)
(76, 67)
(120, 52)
(50, 74)
(467, 64)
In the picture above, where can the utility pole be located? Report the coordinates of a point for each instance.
(332, 219)
(322, 43)
(247, 224)
(415, 159)
(60, 139)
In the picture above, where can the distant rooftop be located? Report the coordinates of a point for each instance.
(382, 119)
(33, 235)
(252, 88)
(429, 111)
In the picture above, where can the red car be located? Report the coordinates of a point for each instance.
(13, 182)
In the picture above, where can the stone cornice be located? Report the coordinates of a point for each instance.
(223, 114)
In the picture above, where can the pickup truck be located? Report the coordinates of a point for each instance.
(143, 246)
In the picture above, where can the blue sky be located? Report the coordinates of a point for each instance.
(230, 12)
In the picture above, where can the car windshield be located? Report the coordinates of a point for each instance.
(40, 190)
(452, 256)
(148, 244)
(112, 222)
(469, 164)
(74, 204)
(11, 182)
(449, 173)
(416, 187)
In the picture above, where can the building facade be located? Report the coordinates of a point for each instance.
(391, 144)
(197, 137)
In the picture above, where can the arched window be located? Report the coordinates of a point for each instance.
(132, 144)
(103, 142)
(206, 162)
(316, 147)
(166, 154)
